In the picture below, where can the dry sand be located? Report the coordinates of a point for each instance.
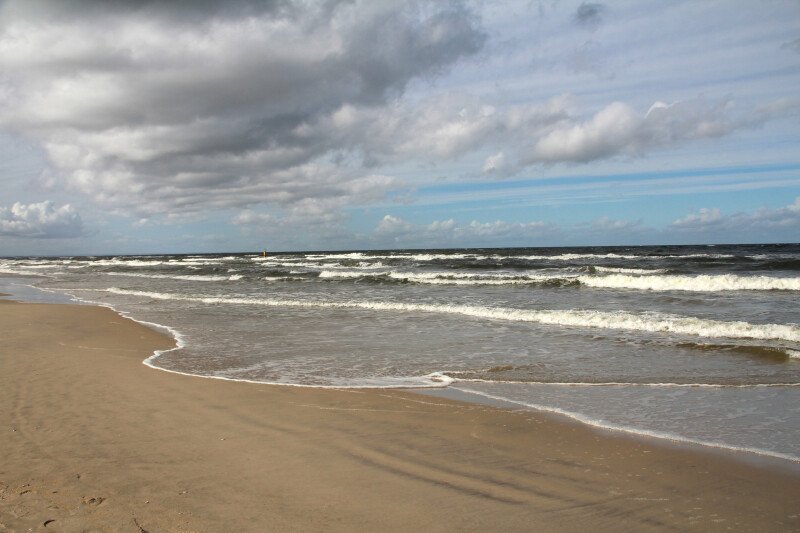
(91, 439)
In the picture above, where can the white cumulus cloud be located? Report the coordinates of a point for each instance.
(40, 220)
(396, 231)
(618, 129)
(767, 224)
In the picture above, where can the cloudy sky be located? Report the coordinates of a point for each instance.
(141, 126)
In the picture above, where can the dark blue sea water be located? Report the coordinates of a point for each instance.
(693, 343)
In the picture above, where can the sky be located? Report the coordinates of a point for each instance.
(138, 126)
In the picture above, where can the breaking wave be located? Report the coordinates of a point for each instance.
(699, 283)
(622, 320)
(446, 278)
(189, 277)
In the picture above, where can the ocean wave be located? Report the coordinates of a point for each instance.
(610, 278)
(618, 320)
(38, 266)
(187, 277)
(116, 261)
(699, 283)
(349, 274)
(635, 271)
(568, 257)
(20, 272)
(425, 257)
(770, 352)
(442, 257)
(372, 256)
(354, 255)
(366, 265)
(193, 262)
(446, 278)
(645, 257)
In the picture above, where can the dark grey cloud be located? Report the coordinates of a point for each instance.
(40, 220)
(183, 11)
(164, 107)
(589, 14)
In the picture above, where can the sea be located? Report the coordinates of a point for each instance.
(695, 344)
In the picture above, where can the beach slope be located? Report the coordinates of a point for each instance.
(91, 439)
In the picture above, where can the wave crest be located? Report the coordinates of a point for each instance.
(699, 283)
(623, 320)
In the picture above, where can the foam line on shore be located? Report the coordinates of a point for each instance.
(433, 380)
(662, 435)
(624, 383)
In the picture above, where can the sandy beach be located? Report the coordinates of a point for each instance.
(93, 440)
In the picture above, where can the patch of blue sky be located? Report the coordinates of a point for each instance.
(783, 170)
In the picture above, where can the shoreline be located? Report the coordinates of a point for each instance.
(751, 455)
(97, 440)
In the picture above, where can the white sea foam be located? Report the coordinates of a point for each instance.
(647, 322)
(187, 277)
(699, 283)
(39, 266)
(639, 271)
(296, 264)
(355, 255)
(596, 422)
(441, 257)
(445, 278)
(575, 256)
(470, 282)
(470, 275)
(568, 257)
(116, 261)
(20, 271)
(279, 260)
(626, 384)
(301, 264)
(377, 256)
(193, 262)
(423, 257)
(612, 278)
(347, 274)
(472, 279)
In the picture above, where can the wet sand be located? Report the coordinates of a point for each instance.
(91, 439)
